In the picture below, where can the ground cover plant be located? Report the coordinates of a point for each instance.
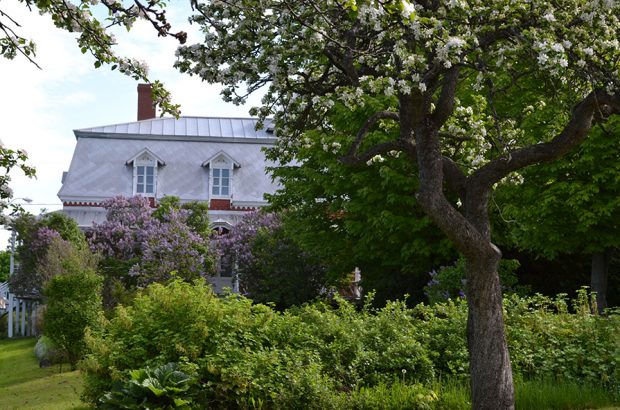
(329, 355)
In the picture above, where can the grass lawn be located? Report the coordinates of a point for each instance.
(23, 385)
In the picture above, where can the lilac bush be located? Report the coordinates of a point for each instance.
(119, 236)
(271, 266)
(140, 249)
(171, 246)
(26, 280)
(238, 243)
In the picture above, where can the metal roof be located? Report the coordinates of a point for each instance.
(186, 128)
(98, 168)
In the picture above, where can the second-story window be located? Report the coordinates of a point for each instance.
(145, 166)
(221, 167)
(220, 182)
(145, 180)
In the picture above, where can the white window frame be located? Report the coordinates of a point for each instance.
(147, 160)
(216, 170)
(136, 179)
(217, 164)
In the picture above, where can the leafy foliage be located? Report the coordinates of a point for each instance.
(246, 355)
(164, 387)
(73, 303)
(10, 160)
(34, 237)
(359, 216)
(138, 248)
(572, 205)
(5, 265)
(196, 213)
(272, 267)
(449, 281)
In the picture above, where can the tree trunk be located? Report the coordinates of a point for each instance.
(490, 368)
(598, 281)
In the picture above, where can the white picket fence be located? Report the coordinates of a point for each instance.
(22, 313)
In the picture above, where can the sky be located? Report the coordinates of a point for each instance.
(40, 108)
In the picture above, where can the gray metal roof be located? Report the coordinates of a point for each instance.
(99, 166)
(186, 128)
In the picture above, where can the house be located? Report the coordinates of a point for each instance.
(218, 160)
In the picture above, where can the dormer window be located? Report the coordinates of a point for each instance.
(144, 176)
(145, 165)
(220, 182)
(221, 168)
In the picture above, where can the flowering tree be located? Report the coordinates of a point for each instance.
(10, 160)
(456, 72)
(140, 249)
(94, 35)
(272, 268)
(365, 216)
(34, 237)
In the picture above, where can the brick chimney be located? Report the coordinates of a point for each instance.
(146, 108)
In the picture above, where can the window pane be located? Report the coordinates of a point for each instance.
(216, 182)
(140, 188)
(224, 190)
(216, 172)
(149, 179)
(150, 170)
(225, 182)
(216, 190)
(149, 189)
(141, 170)
(225, 173)
(140, 179)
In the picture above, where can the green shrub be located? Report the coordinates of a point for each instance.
(449, 282)
(442, 330)
(547, 341)
(73, 303)
(245, 355)
(248, 354)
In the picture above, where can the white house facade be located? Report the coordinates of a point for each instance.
(218, 160)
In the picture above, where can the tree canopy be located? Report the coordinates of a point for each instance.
(572, 205)
(364, 216)
(472, 82)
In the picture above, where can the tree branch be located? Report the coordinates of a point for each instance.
(572, 135)
(378, 149)
(366, 128)
(445, 103)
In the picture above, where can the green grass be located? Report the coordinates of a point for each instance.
(23, 385)
(534, 395)
(548, 394)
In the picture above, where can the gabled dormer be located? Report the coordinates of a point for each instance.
(145, 165)
(221, 167)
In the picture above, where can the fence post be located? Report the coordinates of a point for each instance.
(22, 330)
(11, 306)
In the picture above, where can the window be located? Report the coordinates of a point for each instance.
(220, 182)
(145, 166)
(145, 180)
(221, 167)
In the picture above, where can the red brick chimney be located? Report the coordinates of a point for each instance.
(146, 108)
